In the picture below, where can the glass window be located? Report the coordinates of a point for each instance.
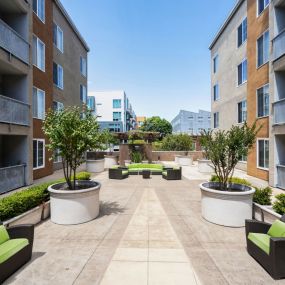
(216, 63)
(216, 119)
(39, 9)
(216, 92)
(83, 66)
(117, 103)
(263, 49)
(38, 103)
(38, 53)
(83, 94)
(263, 154)
(262, 5)
(38, 153)
(91, 103)
(263, 101)
(117, 116)
(58, 75)
(58, 37)
(58, 106)
(56, 156)
(242, 32)
(242, 111)
(242, 72)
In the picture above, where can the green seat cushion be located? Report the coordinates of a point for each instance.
(164, 173)
(155, 170)
(135, 169)
(277, 229)
(260, 240)
(145, 166)
(4, 236)
(11, 247)
(115, 167)
(125, 172)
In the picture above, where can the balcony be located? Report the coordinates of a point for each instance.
(13, 43)
(279, 112)
(281, 176)
(12, 177)
(14, 112)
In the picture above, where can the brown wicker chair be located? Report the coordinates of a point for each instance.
(172, 174)
(274, 263)
(10, 266)
(118, 173)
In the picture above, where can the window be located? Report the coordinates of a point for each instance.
(261, 5)
(38, 103)
(56, 156)
(215, 63)
(242, 111)
(39, 9)
(38, 53)
(83, 94)
(263, 101)
(58, 75)
(263, 49)
(57, 106)
(216, 119)
(117, 103)
(216, 92)
(83, 66)
(242, 33)
(263, 153)
(91, 103)
(243, 158)
(117, 116)
(58, 37)
(38, 153)
(242, 72)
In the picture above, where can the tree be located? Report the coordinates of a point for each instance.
(156, 124)
(72, 132)
(179, 142)
(226, 148)
(109, 140)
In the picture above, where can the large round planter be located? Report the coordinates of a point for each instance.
(226, 208)
(176, 159)
(185, 160)
(205, 166)
(110, 161)
(72, 207)
(95, 166)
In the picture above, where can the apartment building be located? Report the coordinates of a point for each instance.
(114, 111)
(191, 123)
(139, 121)
(240, 75)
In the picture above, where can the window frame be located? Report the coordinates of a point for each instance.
(58, 103)
(268, 57)
(120, 100)
(216, 98)
(243, 40)
(36, 64)
(37, 12)
(243, 120)
(56, 157)
(243, 81)
(257, 153)
(215, 63)
(257, 110)
(58, 67)
(43, 141)
(83, 71)
(216, 126)
(120, 117)
(81, 88)
(44, 104)
(55, 25)
(257, 7)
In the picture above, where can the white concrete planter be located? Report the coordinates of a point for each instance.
(205, 166)
(226, 208)
(176, 159)
(95, 166)
(46, 211)
(110, 161)
(185, 160)
(264, 213)
(71, 207)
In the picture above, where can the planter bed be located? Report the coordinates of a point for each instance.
(264, 213)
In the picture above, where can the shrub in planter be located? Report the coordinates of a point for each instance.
(262, 196)
(136, 157)
(180, 142)
(235, 180)
(279, 204)
(82, 176)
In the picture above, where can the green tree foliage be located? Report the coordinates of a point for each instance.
(72, 132)
(225, 149)
(279, 204)
(109, 140)
(180, 142)
(156, 124)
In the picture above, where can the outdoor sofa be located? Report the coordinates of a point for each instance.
(266, 244)
(118, 173)
(172, 173)
(137, 168)
(16, 245)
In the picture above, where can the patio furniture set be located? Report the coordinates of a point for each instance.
(168, 173)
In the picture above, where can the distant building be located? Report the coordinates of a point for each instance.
(140, 120)
(114, 111)
(191, 123)
(91, 104)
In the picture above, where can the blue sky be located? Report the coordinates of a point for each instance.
(155, 50)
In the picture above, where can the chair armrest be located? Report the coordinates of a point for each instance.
(123, 167)
(253, 226)
(277, 247)
(167, 168)
(22, 231)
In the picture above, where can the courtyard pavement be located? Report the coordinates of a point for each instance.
(148, 232)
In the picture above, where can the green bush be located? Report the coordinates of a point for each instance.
(279, 204)
(235, 180)
(136, 157)
(179, 142)
(82, 176)
(262, 196)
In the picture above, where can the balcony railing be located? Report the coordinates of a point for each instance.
(281, 176)
(12, 177)
(279, 112)
(14, 112)
(279, 45)
(11, 41)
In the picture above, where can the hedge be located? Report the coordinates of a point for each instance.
(21, 202)
(235, 180)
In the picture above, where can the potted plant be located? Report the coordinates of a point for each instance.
(110, 140)
(71, 133)
(223, 202)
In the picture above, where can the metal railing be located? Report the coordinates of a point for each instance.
(11, 41)
(14, 112)
(279, 45)
(279, 112)
(12, 177)
(281, 176)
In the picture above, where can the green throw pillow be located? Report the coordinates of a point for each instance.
(277, 229)
(4, 236)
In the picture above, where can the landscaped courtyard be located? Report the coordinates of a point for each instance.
(149, 231)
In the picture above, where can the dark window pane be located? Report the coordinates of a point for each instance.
(35, 151)
(240, 35)
(260, 51)
(260, 104)
(261, 153)
(35, 5)
(240, 74)
(55, 77)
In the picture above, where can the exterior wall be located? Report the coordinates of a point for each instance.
(191, 123)
(170, 155)
(139, 121)
(44, 80)
(226, 76)
(257, 77)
